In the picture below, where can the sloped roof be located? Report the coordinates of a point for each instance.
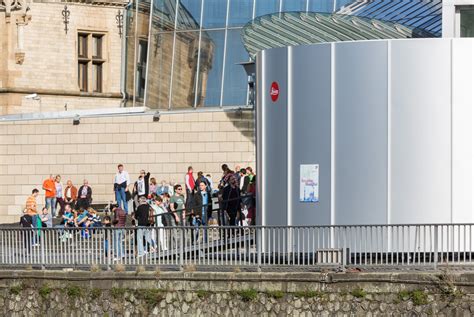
(420, 14)
(299, 28)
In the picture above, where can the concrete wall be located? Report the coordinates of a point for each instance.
(57, 293)
(30, 150)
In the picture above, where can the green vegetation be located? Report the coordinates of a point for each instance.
(152, 297)
(247, 295)
(73, 291)
(203, 293)
(308, 294)
(359, 293)
(404, 295)
(95, 293)
(45, 290)
(118, 292)
(15, 290)
(275, 294)
(418, 297)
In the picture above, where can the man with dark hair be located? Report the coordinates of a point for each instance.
(177, 202)
(203, 203)
(31, 207)
(143, 233)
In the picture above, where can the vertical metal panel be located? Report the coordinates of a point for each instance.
(421, 131)
(462, 132)
(273, 128)
(361, 126)
(309, 129)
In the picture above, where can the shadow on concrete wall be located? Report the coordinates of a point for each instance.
(245, 123)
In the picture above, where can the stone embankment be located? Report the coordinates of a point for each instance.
(142, 293)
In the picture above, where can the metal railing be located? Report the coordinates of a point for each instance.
(257, 247)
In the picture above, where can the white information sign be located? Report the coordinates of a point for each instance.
(309, 183)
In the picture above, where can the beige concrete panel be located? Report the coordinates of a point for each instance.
(70, 149)
(226, 146)
(20, 159)
(219, 157)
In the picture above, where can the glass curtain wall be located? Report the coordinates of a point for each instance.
(184, 54)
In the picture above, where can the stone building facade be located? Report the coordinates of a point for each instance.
(39, 56)
(43, 68)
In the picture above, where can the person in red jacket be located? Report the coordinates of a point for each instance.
(190, 184)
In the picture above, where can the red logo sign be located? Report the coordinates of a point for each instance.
(274, 91)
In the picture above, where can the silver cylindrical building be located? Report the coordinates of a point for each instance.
(388, 122)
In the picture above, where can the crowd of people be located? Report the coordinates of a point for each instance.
(145, 203)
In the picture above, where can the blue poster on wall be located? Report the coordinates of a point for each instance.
(309, 183)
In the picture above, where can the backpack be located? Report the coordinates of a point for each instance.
(26, 221)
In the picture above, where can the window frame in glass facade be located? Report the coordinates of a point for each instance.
(160, 89)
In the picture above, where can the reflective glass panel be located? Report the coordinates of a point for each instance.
(214, 15)
(240, 12)
(159, 70)
(185, 69)
(467, 22)
(341, 3)
(189, 15)
(164, 14)
(294, 5)
(130, 55)
(235, 78)
(210, 68)
(263, 7)
(321, 6)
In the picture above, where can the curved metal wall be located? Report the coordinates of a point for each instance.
(389, 122)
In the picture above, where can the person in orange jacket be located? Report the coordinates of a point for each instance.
(49, 187)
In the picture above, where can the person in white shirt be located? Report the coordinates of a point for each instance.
(121, 181)
(159, 211)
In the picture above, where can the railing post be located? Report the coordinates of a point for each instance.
(435, 260)
(42, 241)
(259, 248)
(109, 243)
(181, 248)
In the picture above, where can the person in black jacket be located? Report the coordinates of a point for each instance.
(231, 198)
(142, 215)
(84, 196)
(203, 203)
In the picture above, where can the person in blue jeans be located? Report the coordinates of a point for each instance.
(107, 223)
(202, 209)
(120, 219)
(121, 182)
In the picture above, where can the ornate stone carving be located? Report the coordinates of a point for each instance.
(14, 5)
